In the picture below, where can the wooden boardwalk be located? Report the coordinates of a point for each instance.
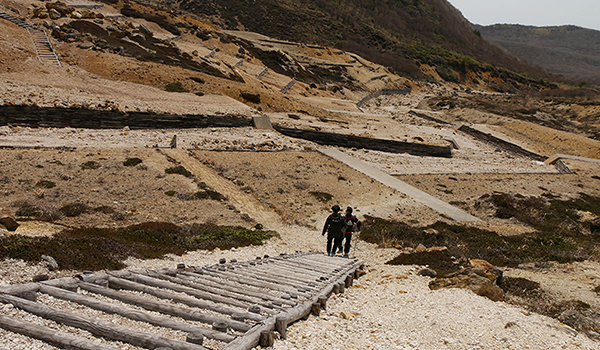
(230, 305)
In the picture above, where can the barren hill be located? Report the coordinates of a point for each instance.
(570, 51)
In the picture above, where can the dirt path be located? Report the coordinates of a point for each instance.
(244, 202)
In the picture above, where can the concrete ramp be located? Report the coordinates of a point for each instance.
(392, 182)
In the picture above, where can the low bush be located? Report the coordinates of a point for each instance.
(180, 170)
(104, 248)
(91, 165)
(322, 196)
(74, 209)
(132, 161)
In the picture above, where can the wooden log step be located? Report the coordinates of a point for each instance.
(155, 282)
(51, 336)
(187, 300)
(97, 327)
(236, 287)
(133, 314)
(271, 277)
(164, 307)
(256, 283)
(265, 278)
(198, 286)
(282, 272)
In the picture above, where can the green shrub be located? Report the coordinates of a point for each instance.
(180, 170)
(175, 87)
(322, 196)
(74, 209)
(132, 161)
(90, 165)
(104, 248)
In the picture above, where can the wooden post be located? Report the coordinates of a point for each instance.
(267, 339)
(195, 338)
(342, 287)
(316, 309)
(281, 326)
(323, 302)
(348, 281)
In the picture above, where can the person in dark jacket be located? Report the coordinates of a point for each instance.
(351, 225)
(333, 227)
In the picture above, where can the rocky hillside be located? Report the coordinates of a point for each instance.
(571, 51)
(401, 35)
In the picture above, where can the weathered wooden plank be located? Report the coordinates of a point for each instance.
(255, 282)
(268, 277)
(97, 327)
(283, 271)
(162, 307)
(51, 336)
(265, 277)
(133, 314)
(206, 288)
(155, 282)
(232, 286)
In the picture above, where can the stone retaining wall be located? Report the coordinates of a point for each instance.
(33, 116)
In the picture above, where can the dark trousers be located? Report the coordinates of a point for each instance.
(348, 238)
(334, 242)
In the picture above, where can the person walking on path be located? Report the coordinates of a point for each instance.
(351, 225)
(333, 227)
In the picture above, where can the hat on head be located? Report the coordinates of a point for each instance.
(336, 208)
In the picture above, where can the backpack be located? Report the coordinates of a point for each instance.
(336, 223)
(349, 225)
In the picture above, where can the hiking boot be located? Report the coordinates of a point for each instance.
(346, 256)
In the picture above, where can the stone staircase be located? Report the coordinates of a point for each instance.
(41, 43)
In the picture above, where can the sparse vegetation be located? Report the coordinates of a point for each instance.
(180, 170)
(175, 87)
(74, 209)
(561, 235)
(322, 196)
(132, 161)
(102, 248)
(93, 165)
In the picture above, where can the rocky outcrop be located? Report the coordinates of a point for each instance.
(481, 277)
(7, 220)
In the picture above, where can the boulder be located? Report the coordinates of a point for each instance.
(50, 262)
(482, 279)
(60, 7)
(493, 273)
(54, 14)
(7, 220)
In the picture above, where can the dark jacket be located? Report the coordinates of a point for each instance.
(351, 228)
(333, 224)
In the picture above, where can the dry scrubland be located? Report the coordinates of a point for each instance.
(58, 180)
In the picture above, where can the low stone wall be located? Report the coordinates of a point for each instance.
(350, 141)
(501, 144)
(33, 116)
